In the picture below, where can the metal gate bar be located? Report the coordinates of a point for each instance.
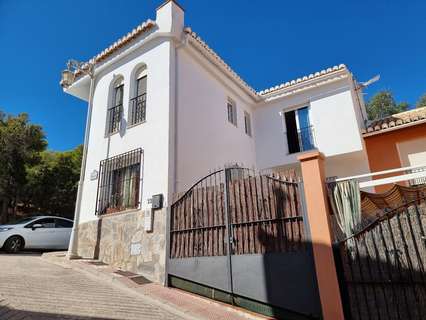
(244, 233)
(384, 266)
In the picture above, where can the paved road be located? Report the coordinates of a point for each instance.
(31, 288)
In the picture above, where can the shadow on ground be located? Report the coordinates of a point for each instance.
(6, 312)
(25, 253)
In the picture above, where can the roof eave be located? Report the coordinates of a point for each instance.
(216, 60)
(308, 84)
(394, 128)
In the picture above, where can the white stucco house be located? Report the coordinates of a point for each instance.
(167, 109)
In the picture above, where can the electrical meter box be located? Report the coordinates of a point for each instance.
(157, 201)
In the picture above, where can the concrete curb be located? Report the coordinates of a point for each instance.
(106, 274)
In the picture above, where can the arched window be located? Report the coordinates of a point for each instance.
(137, 110)
(115, 107)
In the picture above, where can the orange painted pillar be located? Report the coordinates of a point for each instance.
(312, 164)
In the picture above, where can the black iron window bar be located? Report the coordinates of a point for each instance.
(114, 117)
(138, 109)
(119, 183)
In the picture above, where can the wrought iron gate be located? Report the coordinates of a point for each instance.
(245, 234)
(383, 266)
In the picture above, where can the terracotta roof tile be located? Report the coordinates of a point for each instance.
(399, 119)
(219, 60)
(303, 79)
(143, 27)
(149, 24)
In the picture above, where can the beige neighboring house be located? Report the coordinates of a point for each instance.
(397, 141)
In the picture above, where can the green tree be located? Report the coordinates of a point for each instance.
(422, 101)
(20, 145)
(383, 104)
(53, 182)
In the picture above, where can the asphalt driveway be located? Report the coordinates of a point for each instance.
(31, 288)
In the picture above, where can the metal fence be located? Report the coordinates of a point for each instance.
(263, 213)
(137, 109)
(243, 235)
(114, 118)
(383, 266)
(417, 181)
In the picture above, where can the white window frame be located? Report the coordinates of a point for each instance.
(112, 104)
(247, 124)
(233, 105)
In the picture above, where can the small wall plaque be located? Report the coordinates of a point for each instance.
(148, 220)
(135, 249)
(94, 175)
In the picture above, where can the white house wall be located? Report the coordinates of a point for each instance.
(345, 165)
(335, 125)
(152, 136)
(332, 114)
(205, 138)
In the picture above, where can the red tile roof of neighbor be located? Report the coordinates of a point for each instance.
(397, 121)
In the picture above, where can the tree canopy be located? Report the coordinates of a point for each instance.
(52, 183)
(32, 178)
(422, 101)
(383, 104)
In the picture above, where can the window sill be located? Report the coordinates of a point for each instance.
(119, 213)
(301, 152)
(135, 124)
(112, 134)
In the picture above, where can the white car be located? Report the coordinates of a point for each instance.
(42, 232)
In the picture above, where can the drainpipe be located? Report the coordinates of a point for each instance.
(173, 187)
(73, 246)
(180, 45)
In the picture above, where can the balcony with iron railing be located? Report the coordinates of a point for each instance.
(114, 118)
(137, 109)
(302, 140)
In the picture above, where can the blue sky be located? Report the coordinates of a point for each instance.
(266, 42)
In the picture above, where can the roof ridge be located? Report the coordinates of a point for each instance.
(409, 111)
(303, 79)
(196, 37)
(408, 117)
(287, 84)
(414, 110)
(149, 24)
(136, 31)
(139, 29)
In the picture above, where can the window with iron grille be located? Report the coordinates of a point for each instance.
(115, 112)
(138, 103)
(119, 183)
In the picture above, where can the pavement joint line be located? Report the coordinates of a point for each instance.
(128, 290)
(121, 282)
(17, 271)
